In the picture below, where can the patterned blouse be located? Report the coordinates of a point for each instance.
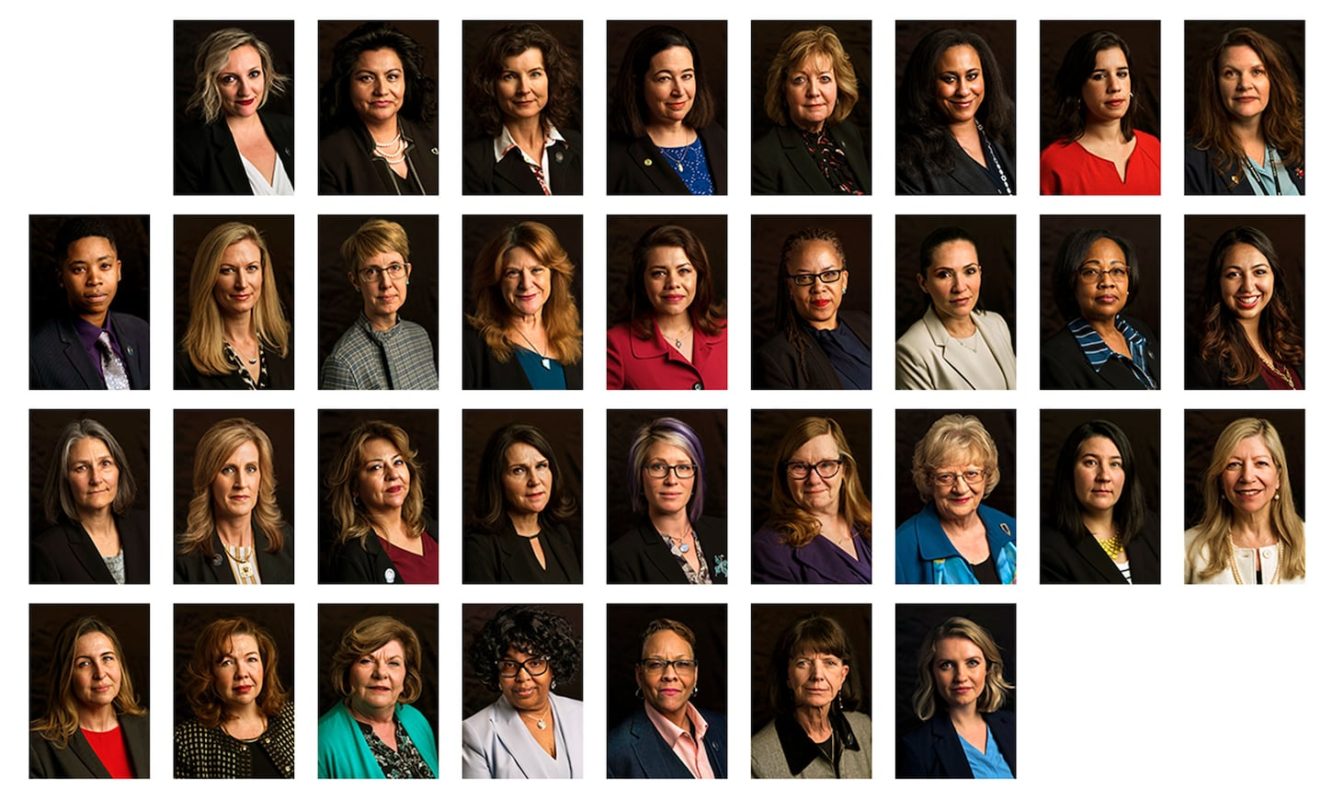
(406, 762)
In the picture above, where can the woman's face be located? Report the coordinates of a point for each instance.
(527, 479)
(1106, 92)
(382, 294)
(1250, 476)
(238, 674)
(669, 279)
(525, 691)
(241, 82)
(236, 486)
(1099, 474)
(814, 492)
(668, 494)
(1247, 281)
(953, 279)
(959, 484)
(666, 688)
(812, 92)
(817, 303)
(1103, 282)
(377, 85)
(376, 678)
(668, 87)
(384, 479)
(240, 279)
(1242, 80)
(96, 672)
(93, 474)
(521, 90)
(960, 85)
(816, 678)
(525, 282)
(959, 669)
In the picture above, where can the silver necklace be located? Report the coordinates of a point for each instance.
(541, 720)
(546, 361)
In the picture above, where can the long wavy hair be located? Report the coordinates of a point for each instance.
(203, 333)
(789, 324)
(996, 689)
(705, 315)
(673, 432)
(214, 448)
(560, 314)
(1130, 511)
(562, 76)
(792, 53)
(796, 526)
(61, 721)
(1215, 527)
(1224, 340)
(344, 473)
(199, 685)
(365, 637)
(490, 509)
(211, 58)
(335, 107)
(629, 109)
(57, 497)
(1079, 62)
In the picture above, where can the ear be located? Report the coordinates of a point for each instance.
(921, 283)
(351, 278)
(117, 270)
(407, 271)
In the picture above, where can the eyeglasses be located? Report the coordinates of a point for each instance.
(808, 278)
(395, 272)
(969, 476)
(656, 666)
(1094, 275)
(659, 470)
(825, 469)
(537, 665)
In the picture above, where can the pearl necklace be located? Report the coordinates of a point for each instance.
(393, 151)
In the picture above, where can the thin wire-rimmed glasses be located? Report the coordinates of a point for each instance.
(971, 477)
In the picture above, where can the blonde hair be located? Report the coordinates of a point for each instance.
(369, 635)
(948, 436)
(214, 448)
(796, 526)
(375, 236)
(212, 56)
(995, 691)
(346, 508)
(61, 721)
(793, 52)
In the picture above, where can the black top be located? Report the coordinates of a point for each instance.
(505, 557)
(964, 176)
(640, 556)
(482, 370)
(776, 365)
(212, 567)
(985, 572)
(207, 161)
(482, 174)
(78, 760)
(1063, 365)
(781, 164)
(636, 166)
(365, 561)
(933, 750)
(280, 373)
(348, 164)
(1201, 178)
(58, 360)
(65, 553)
(1079, 559)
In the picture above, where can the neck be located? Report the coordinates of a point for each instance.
(963, 716)
(832, 526)
(668, 133)
(675, 323)
(814, 721)
(830, 324)
(526, 323)
(963, 131)
(1248, 131)
(958, 527)
(386, 522)
(957, 327)
(239, 124)
(1100, 522)
(676, 524)
(1251, 327)
(100, 719)
(370, 716)
(238, 330)
(381, 322)
(813, 127)
(1252, 529)
(96, 320)
(680, 718)
(536, 713)
(235, 531)
(527, 132)
(525, 524)
(1105, 326)
(1103, 131)
(243, 713)
(383, 131)
(98, 521)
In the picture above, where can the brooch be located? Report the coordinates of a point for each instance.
(720, 566)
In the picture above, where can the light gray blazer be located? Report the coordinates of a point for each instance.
(496, 743)
(928, 358)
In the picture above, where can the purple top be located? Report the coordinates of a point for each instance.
(821, 561)
(88, 335)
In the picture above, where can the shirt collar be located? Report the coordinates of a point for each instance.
(504, 142)
(364, 323)
(670, 731)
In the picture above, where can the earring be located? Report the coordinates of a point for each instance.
(638, 691)
(695, 693)
(838, 699)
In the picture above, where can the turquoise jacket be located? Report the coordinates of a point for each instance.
(343, 752)
(925, 554)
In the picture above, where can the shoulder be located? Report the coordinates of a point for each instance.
(410, 716)
(619, 335)
(573, 139)
(993, 321)
(129, 324)
(917, 336)
(766, 739)
(995, 517)
(768, 145)
(1147, 141)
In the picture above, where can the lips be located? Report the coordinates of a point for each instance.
(239, 498)
(241, 297)
(823, 302)
(245, 102)
(246, 689)
(98, 297)
(960, 301)
(1115, 103)
(395, 489)
(1248, 301)
(678, 106)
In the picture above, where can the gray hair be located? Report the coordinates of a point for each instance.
(57, 498)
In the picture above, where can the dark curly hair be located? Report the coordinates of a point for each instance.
(562, 76)
(335, 111)
(1070, 259)
(530, 630)
(1079, 61)
(629, 109)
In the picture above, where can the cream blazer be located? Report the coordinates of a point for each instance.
(928, 358)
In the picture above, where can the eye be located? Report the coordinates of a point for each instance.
(947, 79)
(227, 470)
(973, 75)
(974, 662)
(227, 80)
(543, 465)
(254, 73)
(826, 79)
(251, 468)
(798, 80)
(537, 271)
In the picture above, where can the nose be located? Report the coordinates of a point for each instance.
(955, 284)
(1247, 281)
(677, 88)
(382, 278)
(523, 86)
(670, 477)
(379, 87)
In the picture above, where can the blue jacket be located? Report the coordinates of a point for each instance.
(925, 554)
(634, 749)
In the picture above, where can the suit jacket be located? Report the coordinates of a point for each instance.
(203, 752)
(924, 554)
(505, 557)
(780, 164)
(1063, 365)
(933, 750)
(634, 749)
(212, 567)
(1201, 178)
(634, 363)
(57, 360)
(351, 562)
(1082, 560)
(281, 374)
(348, 164)
(820, 561)
(776, 365)
(496, 743)
(482, 370)
(64, 553)
(482, 174)
(781, 749)
(207, 161)
(964, 176)
(640, 556)
(636, 166)
(929, 358)
(77, 759)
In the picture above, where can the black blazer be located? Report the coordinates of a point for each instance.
(280, 373)
(212, 567)
(207, 161)
(1201, 374)
(776, 367)
(1083, 560)
(1201, 178)
(482, 174)
(348, 165)
(77, 760)
(780, 164)
(64, 553)
(640, 556)
(933, 750)
(505, 557)
(353, 562)
(1063, 365)
(964, 176)
(634, 748)
(482, 370)
(57, 360)
(636, 166)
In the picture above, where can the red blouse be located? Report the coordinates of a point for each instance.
(1067, 168)
(413, 568)
(109, 747)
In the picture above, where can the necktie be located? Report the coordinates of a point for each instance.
(113, 369)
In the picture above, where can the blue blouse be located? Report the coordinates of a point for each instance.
(990, 764)
(539, 376)
(691, 163)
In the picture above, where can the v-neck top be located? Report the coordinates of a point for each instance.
(1068, 168)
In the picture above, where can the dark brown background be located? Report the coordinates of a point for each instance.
(46, 299)
(425, 31)
(912, 427)
(1202, 35)
(130, 427)
(1141, 426)
(190, 619)
(768, 426)
(190, 33)
(476, 615)
(569, 32)
(622, 232)
(1144, 232)
(624, 645)
(767, 623)
(1144, 38)
(479, 230)
(766, 37)
(994, 236)
(710, 37)
(129, 621)
(1202, 427)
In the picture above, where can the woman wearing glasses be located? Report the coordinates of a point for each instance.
(955, 538)
(815, 347)
(818, 529)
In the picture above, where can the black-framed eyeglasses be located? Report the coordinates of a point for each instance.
(395, 272)
(537, 665)
(656, 666)
(800, 470)
(1094, 275)
(659, 470)
(808, 278)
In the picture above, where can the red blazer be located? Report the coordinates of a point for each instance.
(634, 363)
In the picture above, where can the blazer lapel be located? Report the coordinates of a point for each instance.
(855, 157)
(514, 738)
(227, 158)
(135, 731)
(794, 151)
(949, 349)
(659, 556)
(947, 747)
(1006, 364)
(513, 170)
(817, 559)
(1093, 555)
(86, 552)
(651, 162)
(130, 349)
(78, 357)
(82, 750)
(655, 758)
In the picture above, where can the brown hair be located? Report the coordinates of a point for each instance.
(215, 446)
(214, 642)
(704, 314)
(365, 637)
(796, 526)
(61, 721)
(343, 503)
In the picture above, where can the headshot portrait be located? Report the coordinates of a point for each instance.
(1096, 272)
(515, 723)
(666, 694)
(77, 266)
(523, 107)
(811, 302)
(522, 290)
(378, 108)
(378, 483)
(956, 88)
(954, 294)
(88, 717)
(667, 114)
(1101, 496)
(233, 497)
(810, 105)
(666, 478)
(232, 101)
(369, 269)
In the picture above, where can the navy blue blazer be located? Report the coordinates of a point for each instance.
(933, 750)
(57, 360)
(1202, 178)
(634, 749)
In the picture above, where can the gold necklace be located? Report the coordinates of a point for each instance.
(540, 722)
(1111, 546)
(1235, 570)
(1285, 374)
